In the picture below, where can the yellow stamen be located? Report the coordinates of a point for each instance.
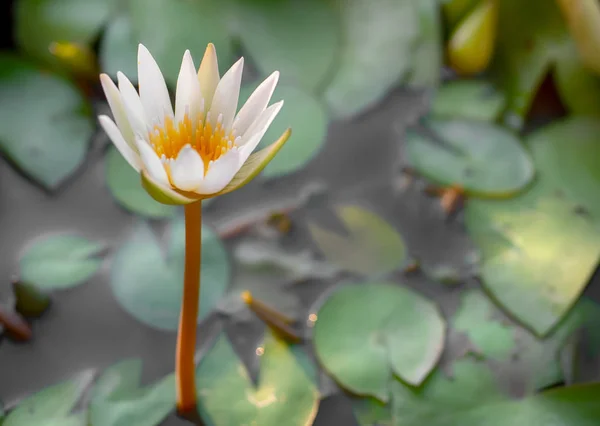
(210, 143)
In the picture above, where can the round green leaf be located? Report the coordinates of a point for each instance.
(125, 185)
(150, 286)
(45, 125)
(300, 39)
(365, 334)
(525, 264)
(378, 38)
(51, 405)
(60, 261)
(118, 401)
(39, 23)
(468, 99)
(372, 247)
(284, 393)
(168, 28)
(118, 49)
(481, 158)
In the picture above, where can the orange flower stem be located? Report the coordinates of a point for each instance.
(186, 337)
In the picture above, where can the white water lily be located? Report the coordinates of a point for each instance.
(200, 149)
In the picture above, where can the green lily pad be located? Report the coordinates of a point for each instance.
(372, 247)
(428, 52)
(376, 51)
(52, 405)
(300, 39)
(124, 185)
(149, 285)
(530, 38)
(472, 385)
(168, 28)
(60, 261)
(366, 334)
(522, 240)
(308, 120)
(47, 135)
(39, 23)
(490, 337)
(284, 394)
(480, 157)
(118, 48)
(118, 400)
(468, 99)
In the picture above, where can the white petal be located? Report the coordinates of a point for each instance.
(133, 107)
(256, 104)
(208, 75)
(257, 130)
(153, 89)
(187, 98)
(115, 135)
(187, 171)
(113, 96)
(226, 96)
(220, 172)
(152, 163)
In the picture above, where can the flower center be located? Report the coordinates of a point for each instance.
(211, 143)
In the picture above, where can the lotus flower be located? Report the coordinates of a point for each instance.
(202, 148)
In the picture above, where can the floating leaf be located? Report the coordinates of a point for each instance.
(275, 36)
(376, 51)
(522, 239)
(124, 184)
(284, 394)
(471, 45)
(168, 28)
(308, 120)
(367, 333)
(150, 286)
(472, 385)
(119, 401)
(45, 126)
(468, 99)
(530, 36)
(428, 53)
(50, 406)
(490, 337)
(60, 261)
(372, 247)
(118, 48)
(479, 157)
(39, 23)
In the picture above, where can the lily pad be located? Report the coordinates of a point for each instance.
(276, 35)
(149, 285)
(530, 38)
(39, 23)
(468, 99)
(482, 158)
(60, 261)
(308, 120)
(376, 50)
(118, 400)
(55, 146)
(118, 48)
(284, 393)
(366, 334)
(491, 338)
(428, 52)
(372, 247)
(168, 28)
(52, 405)
(124, 184)
(522, 240)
